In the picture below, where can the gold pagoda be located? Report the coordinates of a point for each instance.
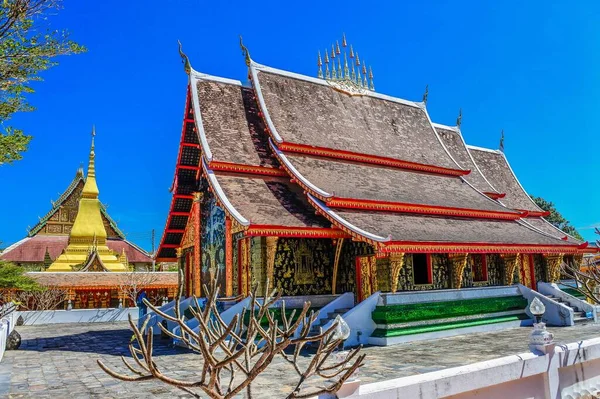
(87, 249)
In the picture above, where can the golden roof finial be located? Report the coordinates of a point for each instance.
(187, 67)
(90, 188)
(344, 42)
(459, 119)
(351, 52)
(357, 61)
(332, 51)
(426, 94)
(320, 65)
(337, 47)
(245, 52)
(346, 70)
(371, 85)
(502, 141)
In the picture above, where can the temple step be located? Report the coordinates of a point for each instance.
(405, 317)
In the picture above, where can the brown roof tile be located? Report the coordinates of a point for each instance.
(353, 180)
(455, 144)
(309, 113)
(495, 168)
(234, 131)
(270, 201)
(543, 225)
(431, 228)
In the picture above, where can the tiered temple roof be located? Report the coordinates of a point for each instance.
(372, 166)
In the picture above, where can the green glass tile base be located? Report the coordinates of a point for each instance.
(446, 326)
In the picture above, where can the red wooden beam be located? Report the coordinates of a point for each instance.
(402, 207)
(369, 159)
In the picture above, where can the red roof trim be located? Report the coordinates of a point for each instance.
(494, 196)
(369, 159)
(246, 169)
(535, 214)
(477, 247)
(298, 232)
(401, 207)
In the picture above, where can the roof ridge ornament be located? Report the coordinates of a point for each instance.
(245, 52)
(426, 94)
(501, 147)
(459, 119)
(350, 77)
(187, 67)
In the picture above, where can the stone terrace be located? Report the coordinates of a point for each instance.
(60, 361)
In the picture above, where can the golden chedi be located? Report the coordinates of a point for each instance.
(87, 249)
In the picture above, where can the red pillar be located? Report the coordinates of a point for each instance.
(228, 258)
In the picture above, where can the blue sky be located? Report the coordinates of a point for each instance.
(530, 68)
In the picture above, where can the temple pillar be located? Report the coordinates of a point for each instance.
(197, 259)
(577, 261)
(336, 261)
(244, 266)
(526, 274)
(367, 275)
(510, 264)
(180, 270)
(554, 261)
(458, 262)
(271, 252)
(396, 265)
(228, 258)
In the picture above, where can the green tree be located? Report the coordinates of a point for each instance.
(14, 277)
(556, 218)
(27, 47)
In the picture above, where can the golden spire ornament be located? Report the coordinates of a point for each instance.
(350, 74)
(320, 65)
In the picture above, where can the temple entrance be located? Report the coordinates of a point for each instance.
(527, 271)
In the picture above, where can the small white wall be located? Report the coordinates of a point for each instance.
(570, 371)
(77, 316)
(557, 314)
(407, 297)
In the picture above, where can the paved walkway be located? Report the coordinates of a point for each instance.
(59, 361)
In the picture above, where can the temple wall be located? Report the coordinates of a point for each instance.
(304, 266)
(495, 266)
(213, 240)
(540, 267)
(440, 274)
(346, 278)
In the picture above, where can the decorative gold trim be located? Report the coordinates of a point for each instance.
(458, 262)
(271, 252)
(554, 262)
(511, 261)
(396, 265)
(336, 260)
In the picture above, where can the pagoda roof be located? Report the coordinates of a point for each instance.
(378, 183)
(422, 233)
(73, 189)
(104, 280)
(495, 167)
(546, 227)
(331, 118)
(455, 143)
(33, 249)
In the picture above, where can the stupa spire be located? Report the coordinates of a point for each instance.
(90, 189)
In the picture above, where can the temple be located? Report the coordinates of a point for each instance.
(359, 192)
(78, 238)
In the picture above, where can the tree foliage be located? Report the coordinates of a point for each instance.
(27, 47)
(14, 277)
(556, 218)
